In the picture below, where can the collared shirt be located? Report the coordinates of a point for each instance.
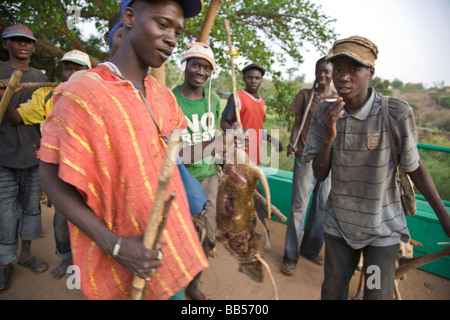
(106, 144)
(364, 205)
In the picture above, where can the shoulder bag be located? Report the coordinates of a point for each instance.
(407, 194)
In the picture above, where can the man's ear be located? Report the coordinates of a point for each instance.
(372, 72)
(105, 37)
(128, 17)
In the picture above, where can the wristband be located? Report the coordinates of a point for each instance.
(117, 247)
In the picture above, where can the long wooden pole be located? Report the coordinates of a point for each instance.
(151, 231)
(305, 115)
(209, 19)
(159, 74)
(9, 91)
(233, 75)
(31, 84)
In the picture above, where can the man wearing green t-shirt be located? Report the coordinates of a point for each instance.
(201, 108)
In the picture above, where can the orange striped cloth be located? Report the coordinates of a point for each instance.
(106, 144)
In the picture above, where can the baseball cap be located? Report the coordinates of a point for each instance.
(18, 31)
(191, 8)
(199, 50)
(357, 48)
(77, 56)
(254, 66)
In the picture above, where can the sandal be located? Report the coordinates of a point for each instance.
(33, 264)
(287, 269)
(5, 277)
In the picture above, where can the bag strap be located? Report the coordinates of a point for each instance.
(121, 77)
(386, 118)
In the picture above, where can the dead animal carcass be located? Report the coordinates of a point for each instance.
(236, 215)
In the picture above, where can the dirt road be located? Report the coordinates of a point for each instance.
(221, 281)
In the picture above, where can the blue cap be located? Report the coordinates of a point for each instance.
(191, 8)
(18, 31)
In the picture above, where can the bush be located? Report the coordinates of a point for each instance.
(445, 102)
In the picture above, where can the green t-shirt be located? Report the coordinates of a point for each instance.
(201, 127)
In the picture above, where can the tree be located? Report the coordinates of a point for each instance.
(397, 84)
(265, 31)
(380, 85)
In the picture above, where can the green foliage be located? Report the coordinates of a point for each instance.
(397, 84)
(265, 31)
(413, 87)
(438, 165)
(278, 103)
(260, 27)
(445, 101)
(382, 86)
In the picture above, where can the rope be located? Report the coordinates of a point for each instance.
(264, 263)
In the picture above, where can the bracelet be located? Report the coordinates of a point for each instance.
(117, 247)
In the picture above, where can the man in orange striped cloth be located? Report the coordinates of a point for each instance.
(101, 156)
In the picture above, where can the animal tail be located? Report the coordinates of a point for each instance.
(259, 173)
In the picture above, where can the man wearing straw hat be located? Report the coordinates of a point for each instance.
(102, 153)
(20, 212)
(364, 213)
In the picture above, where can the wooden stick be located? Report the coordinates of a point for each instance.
(7, 95)
(151, 232)
(31, 84)
(274, 210)
(305, 115)
(162, 225)
(407, 264)
(233, 76)
(159, 74)
(209, 19)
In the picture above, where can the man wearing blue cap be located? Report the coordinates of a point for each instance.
(20, 213)
(101, 156)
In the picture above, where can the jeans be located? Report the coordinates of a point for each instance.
(62, 236)
(341, 261)
(20, 209)
(211, 185)
(303, 185)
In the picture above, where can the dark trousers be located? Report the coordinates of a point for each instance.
(341, 261)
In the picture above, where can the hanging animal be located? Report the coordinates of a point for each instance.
(236, 215)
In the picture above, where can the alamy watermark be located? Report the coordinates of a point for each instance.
(374, 280)
(233, 147)
(74, 277)
(74, 16)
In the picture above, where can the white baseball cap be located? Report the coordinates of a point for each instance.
(78, 57)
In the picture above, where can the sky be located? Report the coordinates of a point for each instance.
(412, 37)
